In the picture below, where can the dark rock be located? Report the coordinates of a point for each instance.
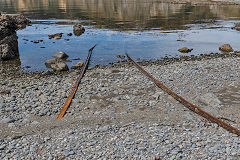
(8, 37)
(69, 34)
(226, 48)
(60, 55)
(78, 29)
(185, 50)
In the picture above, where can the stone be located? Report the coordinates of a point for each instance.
(237, 53)
(9, 23)
(49, 62)
(71, 153)
(157, 95)
(59, 66)
(78, 29)
(2, 147)
(237, 26)
(226, 48)
(185, 50)
(7, 120)
(26, 121)
(152, 103)
(55, 36)
(103, 129)
(43, 98)
(60, 55)
(69, 34)
(79, 64)
(120, 56)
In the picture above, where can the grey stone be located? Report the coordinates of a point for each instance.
(7, 120)
(2, 147)
(59, 66)
(103, 129)
(49, 62)
(60, 55)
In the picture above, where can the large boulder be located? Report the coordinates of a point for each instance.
(78, 29)
(8, 37)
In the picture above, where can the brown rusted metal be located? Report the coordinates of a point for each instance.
(71, 95)
(186, 103)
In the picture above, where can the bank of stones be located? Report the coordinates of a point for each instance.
(119, 113)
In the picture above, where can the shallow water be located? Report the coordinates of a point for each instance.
(144, 29)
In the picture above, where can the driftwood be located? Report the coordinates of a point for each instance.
(71, 95)
(186, 103)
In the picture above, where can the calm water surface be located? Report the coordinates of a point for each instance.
(146, 29)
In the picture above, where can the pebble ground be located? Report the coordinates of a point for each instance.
(118, 113)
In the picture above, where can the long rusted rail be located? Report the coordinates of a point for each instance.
(186, 103)
(71, 95)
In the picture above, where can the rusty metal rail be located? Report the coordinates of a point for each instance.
(186, 103)
(71, 95)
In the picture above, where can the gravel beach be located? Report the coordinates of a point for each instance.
(118, 113)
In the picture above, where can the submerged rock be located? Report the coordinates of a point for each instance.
(78, 29)
(60, 55)
(226, 48)
(185, 50)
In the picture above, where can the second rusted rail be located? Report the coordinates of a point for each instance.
(186, 103)
(71, 95)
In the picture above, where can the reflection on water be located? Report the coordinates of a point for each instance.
(120, 14)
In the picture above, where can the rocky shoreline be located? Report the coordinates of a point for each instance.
(118, 113)
(9, 23)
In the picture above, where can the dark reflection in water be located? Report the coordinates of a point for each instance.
(121, 14)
